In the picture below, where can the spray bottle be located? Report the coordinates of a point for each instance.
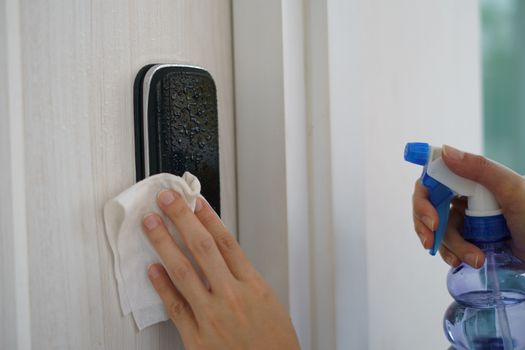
(489, 308)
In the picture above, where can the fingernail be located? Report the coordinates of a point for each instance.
(153, 271)
(166, 197)
(453, 153)
(428, 222)
(450, 260)
(151, 221)
(423, 239)
(472, 259)
(199, 204)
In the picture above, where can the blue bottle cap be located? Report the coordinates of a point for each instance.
(417, 152)
(485, 229)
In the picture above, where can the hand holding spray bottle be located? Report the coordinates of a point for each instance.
(489, 311)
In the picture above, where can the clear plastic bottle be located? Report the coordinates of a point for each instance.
(489, 311)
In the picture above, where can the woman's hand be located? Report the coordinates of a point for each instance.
(238, 310)
(507, 186)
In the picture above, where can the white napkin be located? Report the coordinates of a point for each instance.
(132, 251)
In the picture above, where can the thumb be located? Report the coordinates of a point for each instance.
(504, 183)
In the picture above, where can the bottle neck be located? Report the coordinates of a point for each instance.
(492, 246)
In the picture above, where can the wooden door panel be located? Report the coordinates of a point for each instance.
(79, 59)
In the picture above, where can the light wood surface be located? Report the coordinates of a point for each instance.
(79, 59)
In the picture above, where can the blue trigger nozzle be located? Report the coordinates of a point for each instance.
(417, 152)
(439, 195)
(443, 210)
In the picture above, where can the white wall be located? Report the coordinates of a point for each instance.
(399, 71)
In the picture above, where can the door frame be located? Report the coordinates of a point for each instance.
(282, 139)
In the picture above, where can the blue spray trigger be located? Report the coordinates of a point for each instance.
(440, 196)
(443, 209)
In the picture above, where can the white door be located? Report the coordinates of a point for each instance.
(67, 147)
(321, 86)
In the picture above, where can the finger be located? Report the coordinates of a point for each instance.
(425, 235)
(501, 181)
(453, 240)
(178, 266)
(235, 258)
(422, 210)
(199, 241)
(176, 306)
(449, 257)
